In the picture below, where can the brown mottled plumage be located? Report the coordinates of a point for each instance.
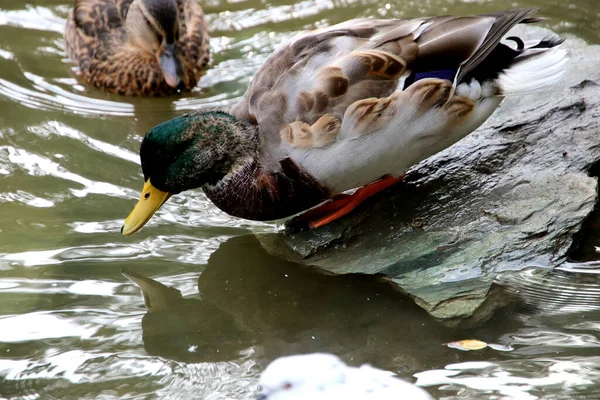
(138, 47)
(339, 108)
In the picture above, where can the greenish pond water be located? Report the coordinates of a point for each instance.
(72, 326)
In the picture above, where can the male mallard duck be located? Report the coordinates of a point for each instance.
(343, 107)
(138, 47)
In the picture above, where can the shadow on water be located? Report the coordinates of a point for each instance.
(261, 308)
(278, 308)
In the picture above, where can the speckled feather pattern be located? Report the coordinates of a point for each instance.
(338, 108)
(253, 193)
(96, 40)
(353, 102)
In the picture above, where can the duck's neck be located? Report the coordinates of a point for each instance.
(224, 147)
(255, 191)
(250, 191)
(238, 147)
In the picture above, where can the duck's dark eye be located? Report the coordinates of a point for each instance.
(147, 195)
(287, 386)
(157, 34)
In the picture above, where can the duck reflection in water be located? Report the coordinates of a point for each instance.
(252, 300)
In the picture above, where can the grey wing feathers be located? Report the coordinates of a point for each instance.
(320, 74)
(290, 61)
(439, 43)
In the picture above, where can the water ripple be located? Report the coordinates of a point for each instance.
(21, 196)
(40, 325)
(61, 129)
(37, 165)
(39, 18)
(250, 18)
(180, 248)
(51, 97)
(571, 288)
(72, 327)
(558, 378)
(88, 287)
(210, 379)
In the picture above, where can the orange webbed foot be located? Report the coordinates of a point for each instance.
(340, 205)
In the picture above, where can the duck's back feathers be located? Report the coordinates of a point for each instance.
(346, 61)
(99, 17)
(403, 83)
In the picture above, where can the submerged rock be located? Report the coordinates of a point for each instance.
(508, 196)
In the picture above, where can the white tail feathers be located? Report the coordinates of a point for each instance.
(533, 70)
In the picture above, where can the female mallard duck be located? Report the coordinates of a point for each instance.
(339, 108)
(138, 47)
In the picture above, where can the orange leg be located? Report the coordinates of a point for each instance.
(342, 204)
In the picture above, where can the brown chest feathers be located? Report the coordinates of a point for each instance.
(251, 193)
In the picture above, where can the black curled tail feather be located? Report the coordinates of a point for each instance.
(505, 56)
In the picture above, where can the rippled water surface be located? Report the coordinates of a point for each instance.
(72, 326)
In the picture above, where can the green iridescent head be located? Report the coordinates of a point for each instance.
(185, 153)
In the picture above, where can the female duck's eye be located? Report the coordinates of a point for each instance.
(157, 34)
(147, 195)
(287, 386)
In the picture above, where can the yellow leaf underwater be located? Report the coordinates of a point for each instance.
(467, 345)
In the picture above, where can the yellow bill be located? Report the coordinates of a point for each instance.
(150, 201)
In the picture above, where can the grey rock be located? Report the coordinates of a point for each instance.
(509, 196)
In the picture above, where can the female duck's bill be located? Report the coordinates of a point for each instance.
(171, 66)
